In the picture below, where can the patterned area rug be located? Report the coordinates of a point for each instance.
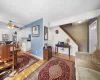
(24, 61)
(54, 69)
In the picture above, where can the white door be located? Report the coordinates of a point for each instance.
(93, 36)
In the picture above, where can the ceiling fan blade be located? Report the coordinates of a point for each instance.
(15, 26)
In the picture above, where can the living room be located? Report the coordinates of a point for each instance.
(44, 42)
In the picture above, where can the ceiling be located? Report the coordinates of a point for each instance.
(26, 11)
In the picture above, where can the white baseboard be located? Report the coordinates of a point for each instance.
(37, 56)
(63, 53)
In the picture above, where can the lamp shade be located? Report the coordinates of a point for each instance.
(68, 40)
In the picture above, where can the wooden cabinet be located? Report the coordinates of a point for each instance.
(47, 53)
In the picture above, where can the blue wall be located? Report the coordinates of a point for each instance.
(36, 42)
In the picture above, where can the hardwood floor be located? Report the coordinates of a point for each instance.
(64, 56)
(22, 75)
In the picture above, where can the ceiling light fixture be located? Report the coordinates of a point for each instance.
(80, 21)
(8, 27)
(10, 24)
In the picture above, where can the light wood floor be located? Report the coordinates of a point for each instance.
(64, 56)
(22, 75)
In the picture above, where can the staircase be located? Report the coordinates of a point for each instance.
(68, 33)
(75, 33)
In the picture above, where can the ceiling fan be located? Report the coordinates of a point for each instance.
(11, 25)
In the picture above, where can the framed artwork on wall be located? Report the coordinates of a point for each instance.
(36, 31)
(45, 33)
(5, 37)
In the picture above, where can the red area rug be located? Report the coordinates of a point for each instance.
(23, 62)
(54, 69)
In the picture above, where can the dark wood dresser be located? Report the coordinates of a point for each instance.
(47, 53)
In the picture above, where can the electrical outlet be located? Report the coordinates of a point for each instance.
(62, 49)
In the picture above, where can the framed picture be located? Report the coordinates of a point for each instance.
(36, 31)
(5, 37)
(45, 33)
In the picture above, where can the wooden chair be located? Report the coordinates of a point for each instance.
(7, 56)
